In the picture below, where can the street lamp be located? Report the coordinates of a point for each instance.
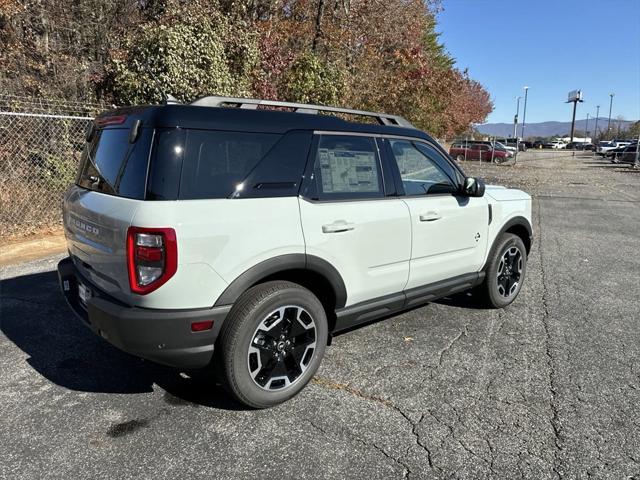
(610, 107)
(586, 129)
(595, 130)
(524, 112)
(515, 119)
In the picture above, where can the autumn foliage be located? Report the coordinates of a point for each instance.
(366, 54)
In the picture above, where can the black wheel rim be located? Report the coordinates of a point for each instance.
(282, 348)
(509, 272)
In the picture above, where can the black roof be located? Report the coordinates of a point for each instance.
(247, 120)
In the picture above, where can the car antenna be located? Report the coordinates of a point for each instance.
(167, 98)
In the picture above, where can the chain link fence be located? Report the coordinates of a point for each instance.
(41, 142)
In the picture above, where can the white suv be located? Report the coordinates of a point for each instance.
(243, 238)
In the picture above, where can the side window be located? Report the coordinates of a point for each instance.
(346, 167)
(440, 161)
(216, 162)
(419, 172)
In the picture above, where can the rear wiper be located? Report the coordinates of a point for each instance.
(99, 179)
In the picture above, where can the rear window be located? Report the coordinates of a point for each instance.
(112, 165)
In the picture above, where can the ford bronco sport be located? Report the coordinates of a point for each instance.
(224, 233)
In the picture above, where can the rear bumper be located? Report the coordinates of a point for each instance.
(163, 336)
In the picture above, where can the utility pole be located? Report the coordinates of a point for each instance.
(610, 107)
(586, 129)
(515, 119)
(595, 131)
(524, 112)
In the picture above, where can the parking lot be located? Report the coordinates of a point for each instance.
(547, 388)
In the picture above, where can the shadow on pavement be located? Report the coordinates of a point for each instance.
(36, 318)
(466, 299)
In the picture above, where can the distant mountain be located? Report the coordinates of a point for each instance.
(550, 129)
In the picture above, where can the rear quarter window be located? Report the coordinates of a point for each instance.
(216, 162)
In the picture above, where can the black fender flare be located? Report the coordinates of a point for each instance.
(519, 221)
(281, 263)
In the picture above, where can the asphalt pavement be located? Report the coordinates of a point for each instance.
(547, 388)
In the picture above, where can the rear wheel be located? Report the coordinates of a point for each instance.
(506, 271)
(272, 343)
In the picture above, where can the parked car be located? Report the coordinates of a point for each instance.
(538, 144)
(508, 148)
(614, 153)
(575, 146)
(628, 154)
(475, 150)
(498, 146)
(587, 147)
(555, 144)
(515, 143)
(214, 235)
(606, 146)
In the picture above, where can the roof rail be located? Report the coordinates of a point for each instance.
(253, 103)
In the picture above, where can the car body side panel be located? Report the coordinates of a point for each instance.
(506, 210)
(373, 255)
(218, 240)
(453, 243)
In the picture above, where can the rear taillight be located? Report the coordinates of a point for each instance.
(152, 258)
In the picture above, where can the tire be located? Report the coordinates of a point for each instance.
(460, 158)
(498, 290)
(259, 362)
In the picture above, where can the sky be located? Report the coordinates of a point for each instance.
(552, 47)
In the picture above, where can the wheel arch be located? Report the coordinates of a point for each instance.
(313, 273)
(519, 226)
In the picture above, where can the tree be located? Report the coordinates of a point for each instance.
(309, 80)
(191, 52)
(366, 54)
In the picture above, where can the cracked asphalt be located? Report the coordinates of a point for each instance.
(546, 388)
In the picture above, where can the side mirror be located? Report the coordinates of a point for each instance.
(473, 187)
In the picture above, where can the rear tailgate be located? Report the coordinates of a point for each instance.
(110, 188)
(96, 229)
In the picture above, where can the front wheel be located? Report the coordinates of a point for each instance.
(272, 343)
(506, 271)
(460, 158)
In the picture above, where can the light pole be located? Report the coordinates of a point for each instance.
(595, 130)
(515, 119)
(586, 129)
(524, 112)
(610, 107)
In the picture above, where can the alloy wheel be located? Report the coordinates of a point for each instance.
(282, 347)
(509, 272)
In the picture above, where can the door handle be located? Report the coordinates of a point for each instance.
(430, 217)
(338, 226)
